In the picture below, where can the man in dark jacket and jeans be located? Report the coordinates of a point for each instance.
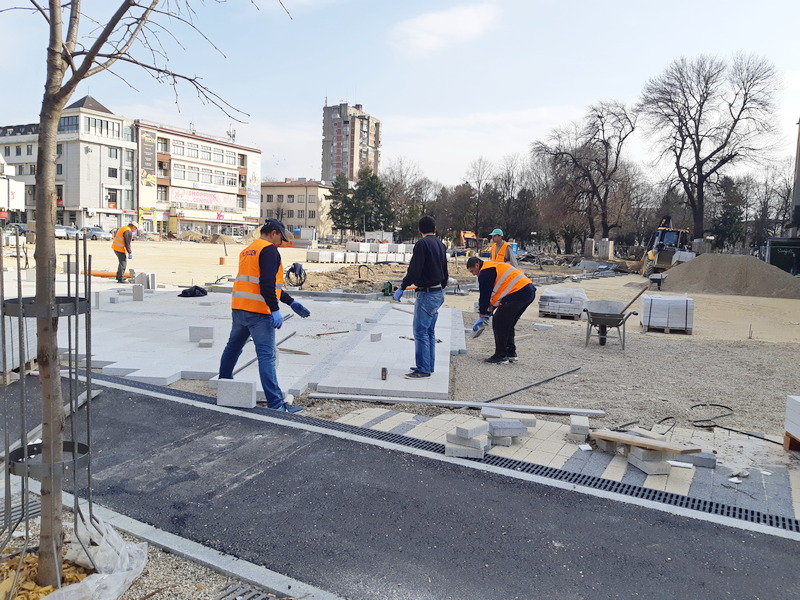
(428, 272)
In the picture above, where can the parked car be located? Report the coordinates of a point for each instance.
(95, 233)
(65, 232)
(17, 228)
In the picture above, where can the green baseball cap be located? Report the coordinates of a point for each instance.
(497, 232)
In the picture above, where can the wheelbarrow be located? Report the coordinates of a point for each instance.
(602, 314)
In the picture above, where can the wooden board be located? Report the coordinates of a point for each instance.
(641, 442)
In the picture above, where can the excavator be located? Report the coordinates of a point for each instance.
(468, 244)
(668, 246)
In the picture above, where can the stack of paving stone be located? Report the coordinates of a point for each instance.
(496, 428)
(578, 428)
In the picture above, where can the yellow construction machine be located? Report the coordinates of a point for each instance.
(668, 246)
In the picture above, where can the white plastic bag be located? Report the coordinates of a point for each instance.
(118, 563)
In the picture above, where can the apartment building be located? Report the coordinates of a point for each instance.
(196, 181)
(95, 165)
(351, 141)
(111, 170)
(298, 203)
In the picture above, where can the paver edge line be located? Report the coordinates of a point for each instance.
(676, 510)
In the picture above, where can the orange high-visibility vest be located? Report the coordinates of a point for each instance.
(499, 255)
(508, 280)
(246, 293)
(118, 243)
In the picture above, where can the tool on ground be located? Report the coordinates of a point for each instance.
(252, 360)
(331, 333)
(293, 351)
(480, 326)
(642, 291)
(532, 385)
(295, 275)
(384, 373)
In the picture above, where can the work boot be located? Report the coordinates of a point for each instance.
(496, 360)
(513, 358)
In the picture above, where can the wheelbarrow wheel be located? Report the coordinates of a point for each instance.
(603, 330)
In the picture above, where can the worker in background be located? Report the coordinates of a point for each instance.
(427, 270)
(121, 244)
(256, 313)
(504, 294)
(501, 250)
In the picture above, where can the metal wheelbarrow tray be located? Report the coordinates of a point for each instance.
(603, 314)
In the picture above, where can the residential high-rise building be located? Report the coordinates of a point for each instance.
(351, 141)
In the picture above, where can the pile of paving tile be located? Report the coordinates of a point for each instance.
(562, 302)
(496, 428)
(358, 252)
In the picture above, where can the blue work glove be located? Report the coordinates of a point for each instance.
(130, 255)
(277, 319)
(301, 310)
(398, 294)
(481, 322)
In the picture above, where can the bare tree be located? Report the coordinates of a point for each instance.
(132, 27)
(592, 151)
(706, 114)
(478, 176)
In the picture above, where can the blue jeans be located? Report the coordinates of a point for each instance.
(426, 311)
(259, 326)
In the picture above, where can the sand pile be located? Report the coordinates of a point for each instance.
(734, 275)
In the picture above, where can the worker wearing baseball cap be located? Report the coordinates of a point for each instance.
(256, 313)
(501, 250)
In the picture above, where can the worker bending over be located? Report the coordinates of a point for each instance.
(505, 293)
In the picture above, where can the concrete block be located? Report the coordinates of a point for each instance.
(151, 281)
(70, 267)
(479, 441)
(114, 299)
(791, 421)
(459, 451)
(579, 424)
(606, 446)
(236, 394)
(97, 299)
(506, 427)
(206, 343)
(495, 413)
(138, 292)
(370, 320)
(358, 326)
(374, 337)
(472, 428)
(577, 438)
(141, 279)
(197, 333)
(701, 459)
(651, 455)
(651, 467)
(500, 440)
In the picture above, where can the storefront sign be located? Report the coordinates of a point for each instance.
(202, 198)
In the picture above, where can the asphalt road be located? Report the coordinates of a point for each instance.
(365, 522)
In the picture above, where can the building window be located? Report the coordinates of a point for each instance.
(59, 195)
(128, 174)
(270, 197)
(205, 175)
(230, 179)
(301, 199)
(218, 155)
(301, 214)
(193, 173)
(219, 177)
(205, 152)
(240, 201)
(312, 199)
(20, 169)
(280, 198)
(7, 151)
(31, 169)
(112, 172)
(113, 152)
(289, 214)
(243, 160)
(128, 198)
(163, 168)
(59, 169)
(59, 149)
(162, 144)
(192, 150)
(29, 150)
(290, 198)
(68, 124)
(161, 194)
(312, 214)
(270, 214)
(19, 150)
(230, 158)
(178, 171)
(178, 147)
(129, 157)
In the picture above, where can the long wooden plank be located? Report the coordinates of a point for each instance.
(641, 442)
(547, 410)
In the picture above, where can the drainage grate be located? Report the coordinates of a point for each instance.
(235, 591)
(590, 481)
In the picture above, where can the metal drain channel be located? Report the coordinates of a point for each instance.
(590, 481)
(235, 591)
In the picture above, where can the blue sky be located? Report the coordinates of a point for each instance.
(451, 81)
